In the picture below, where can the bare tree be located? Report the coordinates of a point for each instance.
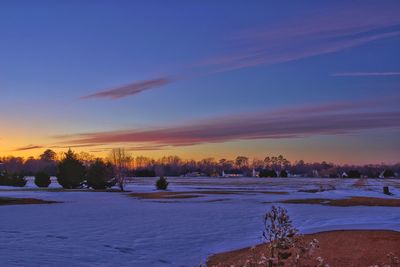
(121, 161)
(242, 162)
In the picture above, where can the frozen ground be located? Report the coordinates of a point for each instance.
(114, 229)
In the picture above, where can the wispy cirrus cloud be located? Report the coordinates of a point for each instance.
(355, 74)
(328, 119)
(130, 89)
(28, 147)
(323, 32)
(329, 31)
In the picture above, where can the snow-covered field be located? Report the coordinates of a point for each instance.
(115, 229)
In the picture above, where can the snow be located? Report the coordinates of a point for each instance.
(114, 229)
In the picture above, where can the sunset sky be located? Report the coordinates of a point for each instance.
(312, 80)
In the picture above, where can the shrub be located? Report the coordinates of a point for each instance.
(100, 175)
(13, 179)
(162, 183)
(144, 173)
(3, 179)
(388, 173)
(285, 246)
(71, 171)
(267, 173)
(42, 179)
(18, 180)
(353, 174)
(279, 234)
(283, 173)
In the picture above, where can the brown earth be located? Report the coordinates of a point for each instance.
(355, 248)
(360, 183)
(348, 202)
(194, 194)
(22, 201)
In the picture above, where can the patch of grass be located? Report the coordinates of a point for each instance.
(348, 202)
(163, 195)
(200, 193)
(23, 201)
(60, 190)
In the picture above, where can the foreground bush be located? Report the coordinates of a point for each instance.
(162, 183)
(284, 246)
(71, 171)
(100, 175)
(42, 179)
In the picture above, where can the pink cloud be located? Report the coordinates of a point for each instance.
(324, 32)
(336, 118)
(130, 89)
(329, 31)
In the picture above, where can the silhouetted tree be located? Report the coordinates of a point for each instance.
(267, 173)
(144, 173)
(162, 183)
(241, 161)
(100, 175)
(353, 174)
(18, 180)
(388, 173)
(48, 155)
(121, 161)
(14, 179)
(42, 179)
(283, 173)
(71, 172)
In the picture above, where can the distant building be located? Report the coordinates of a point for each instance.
(232, 173)
(194, 174)
(255, 173)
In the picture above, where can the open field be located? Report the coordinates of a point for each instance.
(195, 218)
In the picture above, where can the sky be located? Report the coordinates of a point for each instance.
(311, 80)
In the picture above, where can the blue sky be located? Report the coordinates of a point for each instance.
(66, 64)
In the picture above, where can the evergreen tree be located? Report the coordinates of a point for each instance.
(42, 179)
(71, 172)
(100, 175)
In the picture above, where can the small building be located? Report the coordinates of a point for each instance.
(194, 174)
(232, 173)
(255, 173)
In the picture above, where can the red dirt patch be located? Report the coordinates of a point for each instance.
(163, 195)
(200, 193)
(356, 248)
(23, 201)
(348, 202)
(360, 183)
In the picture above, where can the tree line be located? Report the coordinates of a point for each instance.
(120, 164)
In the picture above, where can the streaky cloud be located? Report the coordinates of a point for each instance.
(130, 89)
(327, 32)
(336, 119)
(355, 74)
(28, 147)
